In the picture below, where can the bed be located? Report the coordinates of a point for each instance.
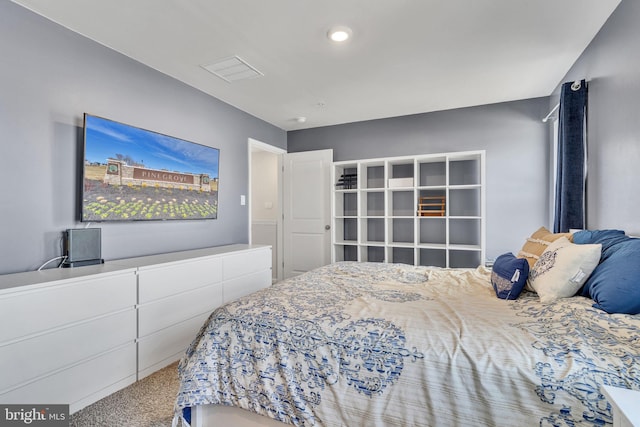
(371, 344)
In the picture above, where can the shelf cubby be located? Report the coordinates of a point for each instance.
(372, 230)
(465, 232)
(372, 203)
(401, 231)
(433, 257)
(346, 177)
(464, 258)
(432, 196)
(400, 174)
(372, 175)
(464, 172)
(346, 253)
(401, 169)
(346, 230)
(432, 172)
(372, 253)
(464, 202)
(432, 231)
(401, 203)
(346, 203)
(402, 255)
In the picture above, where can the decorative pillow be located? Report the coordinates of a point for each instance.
(509, 276)
(537, 243)
(615, 283)
(607, 238)
(563, 268)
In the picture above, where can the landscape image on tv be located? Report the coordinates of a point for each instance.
(132, 174)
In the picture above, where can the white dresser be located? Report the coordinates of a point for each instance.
(178, 291)
(67, 335)
(73, 336)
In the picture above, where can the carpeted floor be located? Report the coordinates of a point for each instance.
(146, 403)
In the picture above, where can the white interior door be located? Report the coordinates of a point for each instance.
(307, 211)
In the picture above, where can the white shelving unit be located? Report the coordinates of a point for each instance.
(376, 218)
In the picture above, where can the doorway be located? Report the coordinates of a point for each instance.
(265, 200)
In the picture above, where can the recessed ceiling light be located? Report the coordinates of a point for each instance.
(300, 119)
(339, 34)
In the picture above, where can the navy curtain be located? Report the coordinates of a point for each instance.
(571, 156)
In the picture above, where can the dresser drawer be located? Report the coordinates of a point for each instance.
(162, 313)
(162, 348)
(157, 282)
(64, 347)
(35, 310)
(246, 262)
(81, 384)
(245, 285)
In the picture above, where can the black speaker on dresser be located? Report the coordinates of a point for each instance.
(82, 246)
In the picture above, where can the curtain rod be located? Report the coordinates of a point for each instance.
(550, 113)
(574, 86)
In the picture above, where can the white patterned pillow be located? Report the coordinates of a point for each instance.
(563, 268)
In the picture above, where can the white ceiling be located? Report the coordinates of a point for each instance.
(405, 56)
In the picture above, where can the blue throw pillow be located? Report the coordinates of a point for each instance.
(607, 238)
(509, 276)
(615, 283)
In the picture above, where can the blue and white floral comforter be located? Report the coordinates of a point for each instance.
(369, 344)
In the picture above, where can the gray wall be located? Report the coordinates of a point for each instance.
(49, 77)
(513, 135)
(611, 65)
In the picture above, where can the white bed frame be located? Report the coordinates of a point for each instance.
(224, 416)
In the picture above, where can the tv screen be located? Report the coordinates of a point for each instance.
(132, 174)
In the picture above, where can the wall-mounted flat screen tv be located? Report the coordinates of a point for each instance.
(132, 174)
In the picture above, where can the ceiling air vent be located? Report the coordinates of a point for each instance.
(233, 69)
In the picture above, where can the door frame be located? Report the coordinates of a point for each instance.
(254, 144)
